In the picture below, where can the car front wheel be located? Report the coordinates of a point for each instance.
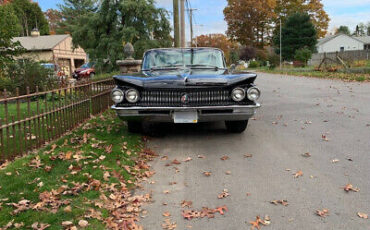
(236, 126)
(134, 126)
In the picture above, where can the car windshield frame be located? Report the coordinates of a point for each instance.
(183, 58)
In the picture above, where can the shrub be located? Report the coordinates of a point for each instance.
(303, 55)
(274, 60)
(23, 74)
(254, 64)
(247, 53)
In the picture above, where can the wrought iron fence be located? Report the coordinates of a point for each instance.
(29, 121)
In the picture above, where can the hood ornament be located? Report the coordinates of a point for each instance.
(185, 98)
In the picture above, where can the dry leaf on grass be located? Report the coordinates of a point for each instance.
(362, 215)
(83, 223)
(39, 226)
(350, 187)
(322, 213)
(298, 174)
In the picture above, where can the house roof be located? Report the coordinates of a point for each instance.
(47, 42)
(364, 39)
(330, 37)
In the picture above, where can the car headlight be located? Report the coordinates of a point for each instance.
(132, 95)
(253, 93)
(117, 96)
(238, 94)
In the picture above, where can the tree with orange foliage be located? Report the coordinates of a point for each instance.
(217, 41)
(249, 21)
(315, 8)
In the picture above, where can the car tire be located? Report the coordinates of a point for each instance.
(236, 126)
(134, 126)
(91, 75)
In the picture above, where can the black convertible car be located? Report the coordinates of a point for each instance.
(186, 85)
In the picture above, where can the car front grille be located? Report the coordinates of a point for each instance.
(155, 98)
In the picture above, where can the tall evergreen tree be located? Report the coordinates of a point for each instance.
(30, 16)
(101, 28)
(297, 33)
(9, 28)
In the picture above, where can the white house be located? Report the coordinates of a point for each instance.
(342, 42)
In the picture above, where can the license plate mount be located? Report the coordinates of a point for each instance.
(185, 117)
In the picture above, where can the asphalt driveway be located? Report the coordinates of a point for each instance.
(329, 119)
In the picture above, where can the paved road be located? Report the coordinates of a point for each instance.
(296, 113)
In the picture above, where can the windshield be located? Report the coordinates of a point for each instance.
(87, 65)
(167, 58)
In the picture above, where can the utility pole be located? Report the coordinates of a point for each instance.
(176, 22)
(191, 25)
(182, 18)
(281, 50)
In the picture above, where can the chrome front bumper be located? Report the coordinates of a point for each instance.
(205, 113)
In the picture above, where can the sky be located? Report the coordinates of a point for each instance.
(209, 16)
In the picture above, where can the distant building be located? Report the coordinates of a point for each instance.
(57, 49)
(342, 42)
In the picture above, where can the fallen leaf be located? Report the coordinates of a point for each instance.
(228, 172)
(322, 213)
(334, 161)
(188, 159)
(176, 162)
(247, 155)
(68, 209)
(276, 202)
(306, 154)
(350, 187)
(83, 223)
(166, 191)
(324, 137)
(168, 224)
(224, 158)
(106, 176)
(362, 215)
(39, 226)
(207, 173)
(298, 174)
(68, 155)
(185, 203)
(166, 214)
(201, 156)
(224, 194)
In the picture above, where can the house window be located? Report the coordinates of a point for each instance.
(342, 49)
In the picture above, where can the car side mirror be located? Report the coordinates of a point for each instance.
(232, 68)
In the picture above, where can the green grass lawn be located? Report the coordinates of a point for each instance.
(309, 72)
(102, 145)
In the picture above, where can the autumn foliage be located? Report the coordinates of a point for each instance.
(253, 22)
(217, 41)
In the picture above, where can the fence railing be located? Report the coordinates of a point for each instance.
(29, 121)
(350, 55)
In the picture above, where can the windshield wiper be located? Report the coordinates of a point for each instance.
(160, 68)
(199, 66)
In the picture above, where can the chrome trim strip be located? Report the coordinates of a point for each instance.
(257, 105)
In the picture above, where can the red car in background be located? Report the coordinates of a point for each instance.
(87, 70)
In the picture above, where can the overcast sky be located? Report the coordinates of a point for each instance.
(210, 19)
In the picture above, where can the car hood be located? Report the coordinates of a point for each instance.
(184, 79)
